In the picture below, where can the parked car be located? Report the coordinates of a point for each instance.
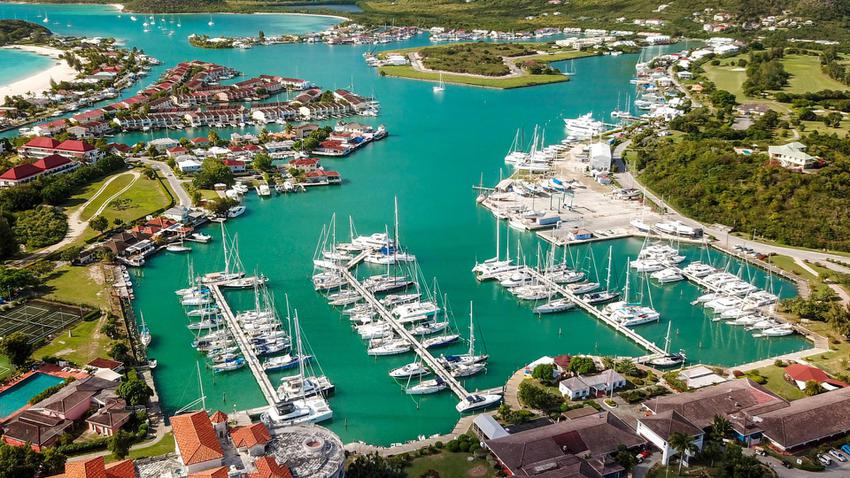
(837, 454)
(646, 453)
(824, 460)
(787, 464)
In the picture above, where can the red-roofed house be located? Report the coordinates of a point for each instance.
(196, 442)
(267, 467)
(51, 127)
(235, 167)
(38, 147)
(79, 150)
(89, 116)
(25, 173)
(97, 468)
(219, 421)
(108, 364)
(801, 374)
(253, 438)
(305, 164)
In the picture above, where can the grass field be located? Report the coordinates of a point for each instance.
(837, 360)
(455, 465)
(120, 182)
(506, 83)
(806, 75)
(75, 285)
(5, 367)
(776, 383)
(166, 445)
(84, 344)
(143, 198)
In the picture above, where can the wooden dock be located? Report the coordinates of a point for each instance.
(399, 329)
(654, 350)
(248, 353)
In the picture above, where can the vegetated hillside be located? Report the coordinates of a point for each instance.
(14, 31)
(705, 179)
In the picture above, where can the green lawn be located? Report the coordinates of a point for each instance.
(143, 198)
(116, 185)
(787, 264)
(776, 383)
(407, 71)
(75, 285)
(5, 367)
(86, 193)
(166, 445)
(448, 464)
(84, 343)
(837, 360)
(806, 75)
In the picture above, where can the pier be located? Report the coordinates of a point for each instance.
(251, 358)
(654, 350)
(399, 329)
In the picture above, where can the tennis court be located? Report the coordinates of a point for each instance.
(39, 320)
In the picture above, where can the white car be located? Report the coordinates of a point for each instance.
(837, 454)
(825, 461)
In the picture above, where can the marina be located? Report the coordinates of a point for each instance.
(445, 229)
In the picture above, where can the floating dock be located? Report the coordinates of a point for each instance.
(654, 350)
(251, 358)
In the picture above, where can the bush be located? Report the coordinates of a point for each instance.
(39, 227)
(86, 446)
(538, 397)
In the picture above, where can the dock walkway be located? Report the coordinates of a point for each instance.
(654, 350)
(399, 329)
(251, 358)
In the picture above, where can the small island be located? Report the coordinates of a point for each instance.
(493, 65)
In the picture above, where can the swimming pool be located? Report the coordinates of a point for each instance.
(21, 393)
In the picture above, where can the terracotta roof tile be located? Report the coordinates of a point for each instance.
(247, 437)
(42, 142)
(218, 417)
(220, 472)
(195, 438)
(267, 467)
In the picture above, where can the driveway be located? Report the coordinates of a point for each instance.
(175, 183)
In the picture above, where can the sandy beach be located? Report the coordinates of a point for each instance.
(39, 82)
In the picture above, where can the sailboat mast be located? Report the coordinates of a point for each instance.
(201, 386)
(626, 290)
(471, 332)
(224, 246)
(395, 233)
(497, 239)
(300, 356)
(608, 275)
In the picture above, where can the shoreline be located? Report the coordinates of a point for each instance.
(40, 81)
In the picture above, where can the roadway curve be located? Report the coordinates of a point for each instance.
(176, 186)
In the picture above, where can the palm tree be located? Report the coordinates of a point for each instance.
(683, 444)
(720, 427)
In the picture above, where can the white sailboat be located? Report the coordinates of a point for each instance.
(669, 360)
(144, 333)
(303, 385)
(439, 87)
(469, 357)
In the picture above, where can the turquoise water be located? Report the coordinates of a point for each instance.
(20, 394)
(439, 146)
(24, 64)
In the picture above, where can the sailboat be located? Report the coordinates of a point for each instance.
(425, 387)
(227, 274)
(629, 314)
(571, 69)
(460, 369)
(669, 360)
(606, 295)
(440, 87)
(391, 252)
(412, 369)
(469, 357)
(211, 22)
(494, 266)
(144, 333)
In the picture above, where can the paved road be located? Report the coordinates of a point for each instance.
(627, 180)
(176, 185)
(836, 470)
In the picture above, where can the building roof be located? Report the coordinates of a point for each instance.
(805, 373)
(195, 438)
(42, 142)
(489, 426)
(105, 363)
(220, 472)
(35, 427)
(598, 434)
(75, 145)
(666, 423)
(218, 417)
(602, 379)
(96, 468)
(250, 436)
(267, 467)
(735, 399)
(50, 162)
(808, 419)
(70, 401)
(21, 171)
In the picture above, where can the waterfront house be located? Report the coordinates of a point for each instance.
(305, 164)
(195, 441)
(162, 144)
(36, 429)
(89, 116)
(572, 448)
(304, 130)
(358, 103)
(78, 150)
(699, 377)
(50, 128)
(584, 386)
(24, 173)
(658, 428)
(800, 375)
(252, 439)
(97, 468)
(236, 166)
(486, 427)
(791, 155)
(321, 177)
